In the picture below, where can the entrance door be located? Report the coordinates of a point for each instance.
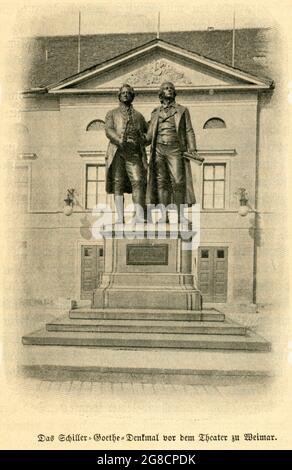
(92, 265)
(212, 273)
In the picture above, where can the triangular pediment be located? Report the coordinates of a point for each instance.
(154, 69)
(148, 66)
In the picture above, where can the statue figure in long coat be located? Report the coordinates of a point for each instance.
(171, 135)
(126, 162)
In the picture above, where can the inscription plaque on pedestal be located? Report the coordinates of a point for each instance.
(147, 254)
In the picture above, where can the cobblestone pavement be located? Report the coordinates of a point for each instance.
(144, 397)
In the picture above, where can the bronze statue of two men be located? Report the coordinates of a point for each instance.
(167, 179)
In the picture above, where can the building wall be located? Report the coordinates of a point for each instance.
(272, 243)
(57, 135)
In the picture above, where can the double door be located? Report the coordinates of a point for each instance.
(212, 273)
(92, 266)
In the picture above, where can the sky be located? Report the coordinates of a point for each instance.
(38, 17)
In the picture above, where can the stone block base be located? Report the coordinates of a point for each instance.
(175, 299)
(147, 274)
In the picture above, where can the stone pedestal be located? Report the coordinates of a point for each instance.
(150, 271)
(146, 301)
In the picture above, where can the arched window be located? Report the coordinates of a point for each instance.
(214, 123)
(96, 125)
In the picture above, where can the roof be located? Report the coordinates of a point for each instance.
(54, 58)
(246, 80)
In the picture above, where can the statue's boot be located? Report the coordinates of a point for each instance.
(140, 206)
(163, 198)
(179, 201)
(119, 203)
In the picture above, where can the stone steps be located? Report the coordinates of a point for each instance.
(248, 342)
(211, 315)
(146, 326)
(147, 346)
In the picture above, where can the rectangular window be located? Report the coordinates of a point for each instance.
(95, 185)
(220, 254)
(214, 181)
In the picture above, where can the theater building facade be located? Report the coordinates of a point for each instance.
(62, 145)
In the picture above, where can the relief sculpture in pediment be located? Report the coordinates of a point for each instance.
(157, 72)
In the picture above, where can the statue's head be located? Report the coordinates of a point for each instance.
(126, 94)
(167, 91)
